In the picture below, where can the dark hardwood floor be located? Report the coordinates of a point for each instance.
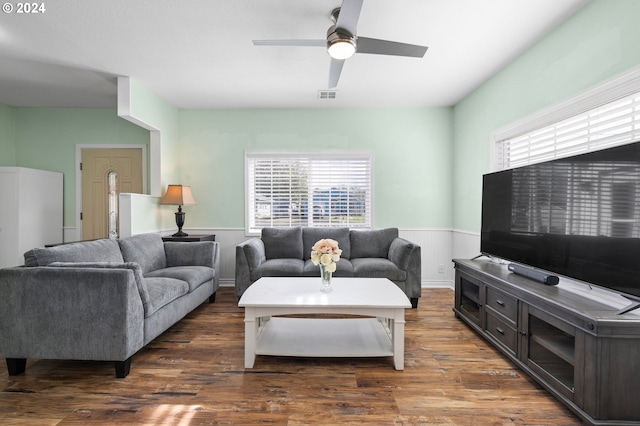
(194, 374)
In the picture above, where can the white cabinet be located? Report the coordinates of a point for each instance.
(30, 212)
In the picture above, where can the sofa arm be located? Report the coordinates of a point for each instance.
(400, 252)
(70, 313)
(407, 256)
(249, 255)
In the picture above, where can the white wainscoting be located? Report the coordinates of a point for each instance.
(228, 240)
(69, 234)
(435, 245)
(438, 247)
(436, 250)
(466, 245)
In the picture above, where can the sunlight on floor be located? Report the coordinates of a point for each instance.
(180, 415)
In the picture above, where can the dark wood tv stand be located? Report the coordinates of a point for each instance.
(567, 337)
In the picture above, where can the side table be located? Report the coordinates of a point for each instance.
(190, 238)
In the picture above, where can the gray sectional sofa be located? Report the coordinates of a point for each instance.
(101, 300)
(281, 252)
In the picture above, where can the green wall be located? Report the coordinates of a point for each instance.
(151, 109)
(411, 149)
(598, 42)
(7, 136)
(46, 138)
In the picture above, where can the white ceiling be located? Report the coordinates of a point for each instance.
(199, 53)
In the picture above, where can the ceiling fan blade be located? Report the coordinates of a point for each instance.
(349, 15)
(294, 42)
(334, 72)
(386, 47)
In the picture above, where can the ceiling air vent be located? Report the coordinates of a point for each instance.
(327, 94)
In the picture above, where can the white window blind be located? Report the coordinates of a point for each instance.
(612, 124)
(330, 189)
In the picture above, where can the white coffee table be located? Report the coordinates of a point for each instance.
(376, 327)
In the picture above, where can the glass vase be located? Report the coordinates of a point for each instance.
(326, 279)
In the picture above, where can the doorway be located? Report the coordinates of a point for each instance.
(105, 173)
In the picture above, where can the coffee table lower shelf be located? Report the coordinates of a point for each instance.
(311, 337)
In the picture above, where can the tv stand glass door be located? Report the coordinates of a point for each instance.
(548, 348)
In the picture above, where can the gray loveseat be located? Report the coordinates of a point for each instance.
(101, 300)
(282, 252)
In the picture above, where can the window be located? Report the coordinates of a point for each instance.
(563, 198)
(315, 188)
(112, 182)
(612, 124)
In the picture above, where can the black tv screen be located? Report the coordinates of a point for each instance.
(578, 217)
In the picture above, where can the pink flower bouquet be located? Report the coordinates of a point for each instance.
(326, 252)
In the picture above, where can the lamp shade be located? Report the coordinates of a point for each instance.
(178, 195)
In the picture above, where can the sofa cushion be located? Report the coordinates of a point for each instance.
(311, 235)
(278, 268)
(104, 250)
(162, 291)
(147, 250)
(373, 243)
(344, 268)
(195, 253)
(137, 274)
(280, 243)
(377, 268)
(195, 276)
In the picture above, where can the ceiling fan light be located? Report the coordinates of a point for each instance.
(342, 49)
(340, 44)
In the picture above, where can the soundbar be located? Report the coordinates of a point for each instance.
(533, 274)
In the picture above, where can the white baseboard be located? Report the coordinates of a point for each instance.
(229, 282)
(439, 246)
(437, 284)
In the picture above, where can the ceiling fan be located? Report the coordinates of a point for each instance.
(342, 42)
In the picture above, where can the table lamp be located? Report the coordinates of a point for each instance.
(179, 195)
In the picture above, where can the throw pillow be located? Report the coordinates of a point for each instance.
(282, 243)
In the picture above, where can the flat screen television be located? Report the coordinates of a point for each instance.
(577, 217)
